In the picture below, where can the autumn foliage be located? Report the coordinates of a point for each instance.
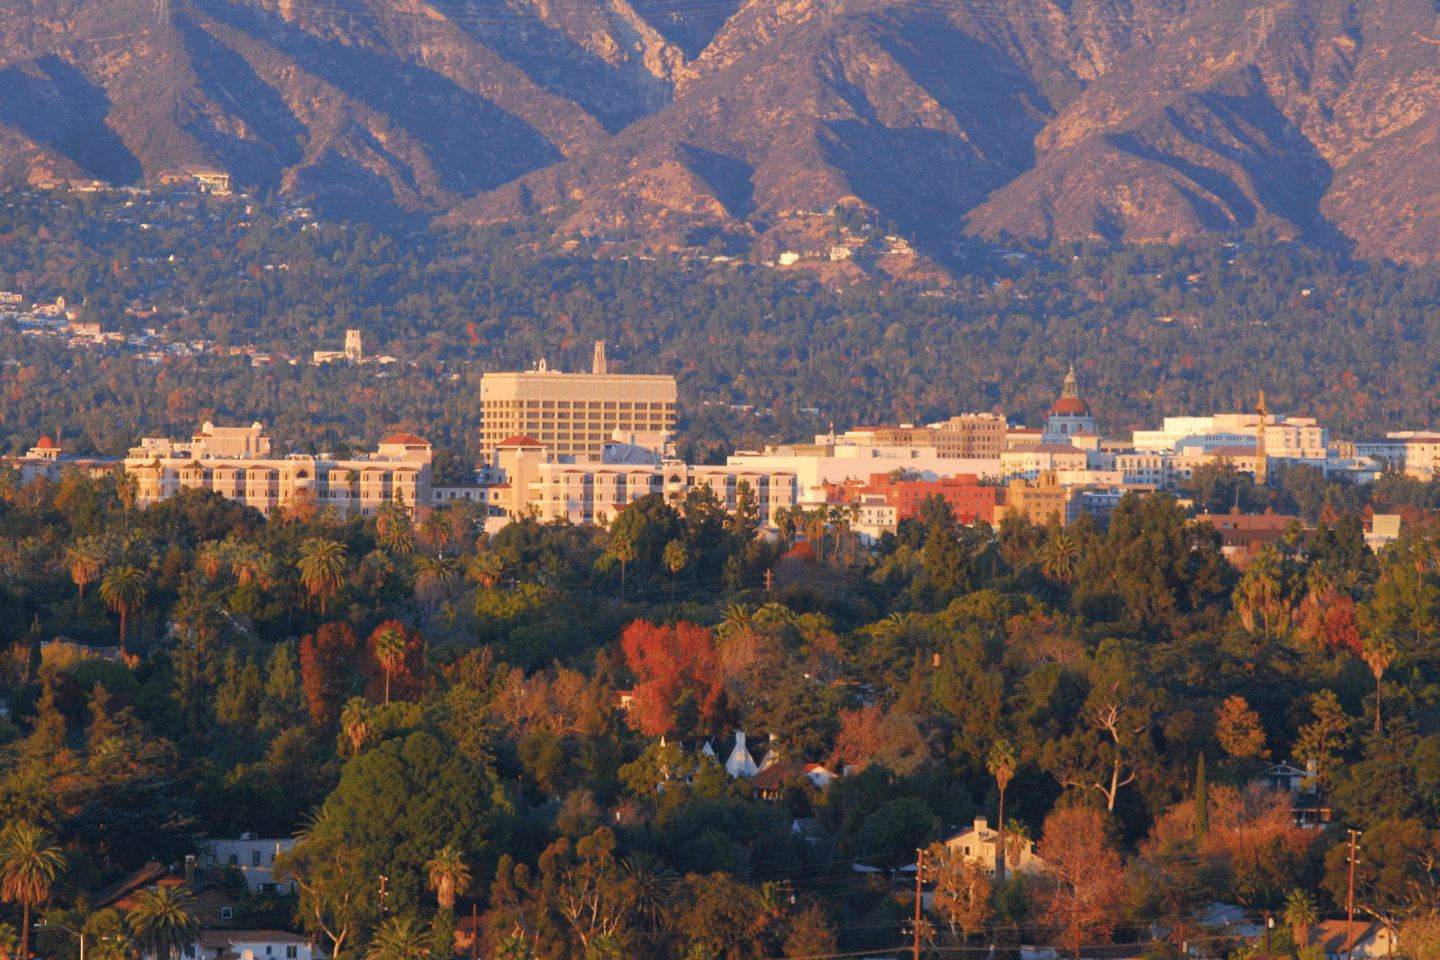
(407, 680)
(677, 674)
(330, 662)
(1079, 893)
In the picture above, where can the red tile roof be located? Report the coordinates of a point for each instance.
(405, 438)
(520, 441)
(45, 444)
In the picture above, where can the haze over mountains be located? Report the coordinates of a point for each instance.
(670, 119)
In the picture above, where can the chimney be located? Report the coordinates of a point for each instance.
(190, 870)
(740, 739)
(982, 824)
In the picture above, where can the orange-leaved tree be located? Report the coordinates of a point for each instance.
(677, 674)
(330, 667)
(1080, 891)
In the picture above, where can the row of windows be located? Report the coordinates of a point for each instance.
(577, 405)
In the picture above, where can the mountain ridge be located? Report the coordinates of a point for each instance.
(672, 121)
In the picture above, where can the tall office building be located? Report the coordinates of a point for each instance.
(573, 414)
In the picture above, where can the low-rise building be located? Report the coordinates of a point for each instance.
(253, 857)
(1037, 501)
(977, 845)
(255, 945)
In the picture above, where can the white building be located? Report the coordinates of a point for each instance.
(977, 844)
(255, 945)
(1286, 438)
(253, 857)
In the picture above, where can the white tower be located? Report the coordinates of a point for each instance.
(600, 367)
(352, 345)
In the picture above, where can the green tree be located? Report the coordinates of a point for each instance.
(322, 568)
(676, 557)
(1300, 916)
(1378, 653)
(337, 897)
(162, 924)
(408, 797)
(123, 591)
(449, 876)
(622, 550)
(30, 860)
(85, 558)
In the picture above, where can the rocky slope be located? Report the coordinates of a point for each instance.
(677, 120)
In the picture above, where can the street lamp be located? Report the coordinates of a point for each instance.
(46, 923)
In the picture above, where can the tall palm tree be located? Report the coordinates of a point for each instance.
(654, 885)
(676, 556)
(1300, 916)
(390, 650)
(352, 480)
(123, 591)
(1378, 653)
(449, 876)
(162, 923)
(86, 558)
(1002, 763)
(29, 862)
(622, 548)
(435, 577)
(401, 938)
(322, 568)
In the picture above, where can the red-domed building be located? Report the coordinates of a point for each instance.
(1068, 415)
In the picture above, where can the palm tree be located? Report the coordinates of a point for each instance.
(352, 480)
(487, 568)
(1378, 653)
(211, 558)
(654, 885)
(85, 559)
(1300, 916)
(435, 530)
(162, 923)
(248, 562)
(390, 650)
(1060, 557)
(393, 526)
(435, 577)
(449, 876)
(29, 863)
(401, 939)
(675, 559)
(123, 591)
(322, 568)
(1002, 763)
(622, 548)
(355, 721)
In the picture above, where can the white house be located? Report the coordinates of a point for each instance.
(254, 858)
(740, 763)
(255, 945)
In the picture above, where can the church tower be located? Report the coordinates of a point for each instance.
(1068, 415)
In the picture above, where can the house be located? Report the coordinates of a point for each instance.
(1362, 940)
(253, 857)
(255, 945)
(1306, 805)
(740, 763)
(978, 845)
(214, 903)
(1285, 776)
(771, 779)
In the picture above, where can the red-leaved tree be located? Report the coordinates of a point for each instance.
(407, 675)
(330, 661)
(677, 673)
(1079, 892)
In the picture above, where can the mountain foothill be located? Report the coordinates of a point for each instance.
(676, 122)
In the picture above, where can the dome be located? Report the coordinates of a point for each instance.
(45, 444)
(1070, 404)
(1070, 407)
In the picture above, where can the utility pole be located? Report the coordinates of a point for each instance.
(474, 931)
(767, 580)
(1350, 905)
(919, 878)
(1268, 922)
(383, 881)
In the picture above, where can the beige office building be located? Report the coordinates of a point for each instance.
(573, 414)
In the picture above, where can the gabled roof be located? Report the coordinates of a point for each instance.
(146, 876)
(1331, 934)
(406, 438)
(775, 775)
(520, 441)
(219, 939)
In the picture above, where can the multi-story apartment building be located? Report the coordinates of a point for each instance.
(1036, 502)
(1413, 451)
(236, 463)
(972, 436)
(573, 414)
(1287, 438)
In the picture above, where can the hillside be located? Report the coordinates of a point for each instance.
(673, 121)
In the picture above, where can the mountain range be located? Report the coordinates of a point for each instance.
(680, 121)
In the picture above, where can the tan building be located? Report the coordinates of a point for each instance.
(1037, 501)
(573, 414)
(973, 436)
(236, 463)
(977, 845)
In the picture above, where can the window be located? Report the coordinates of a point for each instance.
(210, 860)
(254, 858)
(234, 859)
(269, 950)
(292, 951)
(227, 913)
